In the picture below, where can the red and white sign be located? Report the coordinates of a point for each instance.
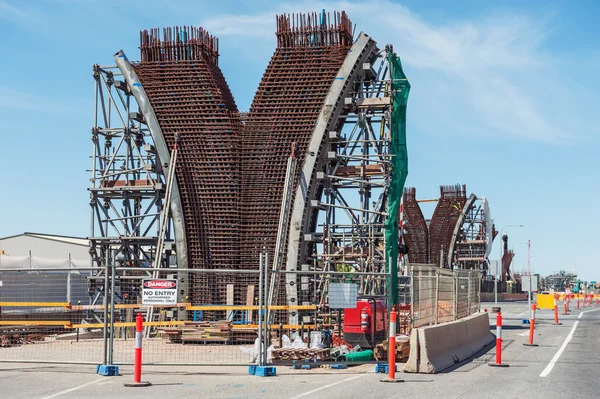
(159, 292)
(160, 284)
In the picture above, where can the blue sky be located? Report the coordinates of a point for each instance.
(504, 99)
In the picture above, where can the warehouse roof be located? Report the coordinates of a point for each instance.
(66, 239)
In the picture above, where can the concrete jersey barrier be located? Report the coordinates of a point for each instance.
(435, 348)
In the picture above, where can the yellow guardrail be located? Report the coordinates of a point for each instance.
(65, 323)
(37, 304)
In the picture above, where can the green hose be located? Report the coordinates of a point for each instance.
(364, 356)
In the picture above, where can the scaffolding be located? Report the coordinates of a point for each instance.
(352, 211)
(127, 190)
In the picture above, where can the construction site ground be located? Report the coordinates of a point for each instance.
(574, 373)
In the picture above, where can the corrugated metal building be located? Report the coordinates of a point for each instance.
(38, 251)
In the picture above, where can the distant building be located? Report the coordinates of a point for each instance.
(41, 251)
(29, 264)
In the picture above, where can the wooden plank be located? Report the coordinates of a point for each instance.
(229, 299)
(124, 324)
(250, 301)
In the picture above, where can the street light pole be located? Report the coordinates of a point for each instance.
(499, 264)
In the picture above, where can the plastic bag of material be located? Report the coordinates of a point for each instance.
(252, 352)
(298, 343)
(285, 341)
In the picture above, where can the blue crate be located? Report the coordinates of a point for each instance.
(107, 369)
(383, 368)
(338, 366)
(251, 370)
(265, 371)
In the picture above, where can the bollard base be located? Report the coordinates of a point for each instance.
(530, 344)
(107, 370)
(262, 371)
(498, 365)
(381, 368)
(391, 380)
(557, 324)
(138, 384)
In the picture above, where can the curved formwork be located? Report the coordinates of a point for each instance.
(446, 214)
(415, 235)
(191, 104)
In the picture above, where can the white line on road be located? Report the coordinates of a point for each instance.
(74, 389)
(550, 365)
(328, 386)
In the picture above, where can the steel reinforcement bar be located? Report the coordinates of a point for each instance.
(416, 236)
(311, 49)
(446, 214)
(189, 98)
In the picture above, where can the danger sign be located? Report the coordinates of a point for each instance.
(159, 292)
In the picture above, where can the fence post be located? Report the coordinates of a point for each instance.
(412, 297)
(260, 310)
(437, 295)
(455, 295)
(479, 282)
(469, 294)
(105, 334)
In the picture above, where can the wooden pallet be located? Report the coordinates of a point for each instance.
(402, 350)
(290, 354)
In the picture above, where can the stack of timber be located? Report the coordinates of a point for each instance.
(402, 350)
(209, 332)
(244, 335)
(286, 355)
(203, 331)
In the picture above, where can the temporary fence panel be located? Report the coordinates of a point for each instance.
(41, 314)
(441, 295)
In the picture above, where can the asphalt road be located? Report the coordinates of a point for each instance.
(559, 367)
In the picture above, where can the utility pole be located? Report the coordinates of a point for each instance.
(529, 257)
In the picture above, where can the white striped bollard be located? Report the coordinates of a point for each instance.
(498, 343)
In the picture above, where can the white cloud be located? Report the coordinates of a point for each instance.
(16, 14)
(488, 76)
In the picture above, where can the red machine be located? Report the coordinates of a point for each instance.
(366, 324)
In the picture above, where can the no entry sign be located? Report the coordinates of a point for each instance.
(159, 292)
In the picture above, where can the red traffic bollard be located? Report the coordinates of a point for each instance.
(392, 351)
(556, 323)
(532, 327)
(498, 343)
(137, 366)
(565, 302)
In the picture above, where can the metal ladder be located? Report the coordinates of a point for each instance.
(164, 222)
(284, 219)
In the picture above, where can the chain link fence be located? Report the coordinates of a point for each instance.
(87, 315)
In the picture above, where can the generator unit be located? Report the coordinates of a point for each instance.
(365, 325)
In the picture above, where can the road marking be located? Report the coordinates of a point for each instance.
(74, 389)
(550, 365)
(586, 311)
(328, 386)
